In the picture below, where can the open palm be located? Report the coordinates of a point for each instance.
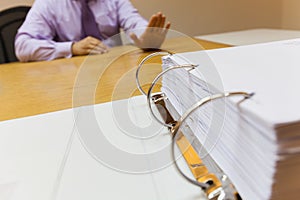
(155, 33)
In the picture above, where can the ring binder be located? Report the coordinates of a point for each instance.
(149, 94)
(216, 187)
(159, 96)
(163, 53)
(175, 131)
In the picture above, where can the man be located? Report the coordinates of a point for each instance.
(65, 28)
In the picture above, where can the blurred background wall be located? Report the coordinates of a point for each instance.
(197, 17)
(291, 14)
(9, 3)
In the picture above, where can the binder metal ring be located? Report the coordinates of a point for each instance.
(182, 119)
(140, 66)
(149, 94)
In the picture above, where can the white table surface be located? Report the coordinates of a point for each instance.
(251, 36)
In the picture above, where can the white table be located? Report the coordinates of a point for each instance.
(251, 36)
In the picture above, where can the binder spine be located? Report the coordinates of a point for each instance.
(210, 178)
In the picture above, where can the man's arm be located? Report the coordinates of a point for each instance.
(129, 17)
(30, 49)
(34, 40)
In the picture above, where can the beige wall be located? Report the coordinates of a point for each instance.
(291, 14)
(196, 17)
(9, 3)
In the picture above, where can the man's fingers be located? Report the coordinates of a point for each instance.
(95, 42)
(168, 25)
(135, 39)
(152, 21)
(157, 23)
(89, 45)
(166, 29)
(163, 21)
(103, 46)
(98, 51)
(96, 46)
(159, 20)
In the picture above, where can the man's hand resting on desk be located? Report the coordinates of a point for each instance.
(88, 45)
(154, 34)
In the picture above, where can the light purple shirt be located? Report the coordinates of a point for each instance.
(52, 26)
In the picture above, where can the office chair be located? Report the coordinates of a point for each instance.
(10, 20)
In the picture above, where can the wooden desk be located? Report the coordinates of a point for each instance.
(33, 88)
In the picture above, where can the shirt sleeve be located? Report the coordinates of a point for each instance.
(129, 18)
(35, 38)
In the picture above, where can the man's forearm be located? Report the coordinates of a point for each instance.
(31, 49)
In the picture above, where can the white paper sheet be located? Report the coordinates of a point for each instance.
(48, 156)
(270, 70)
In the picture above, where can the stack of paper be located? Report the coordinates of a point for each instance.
(256, 142)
